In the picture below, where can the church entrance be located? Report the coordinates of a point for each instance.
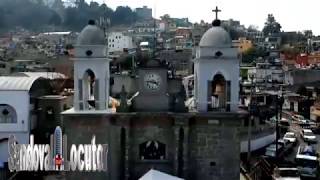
(219, 94)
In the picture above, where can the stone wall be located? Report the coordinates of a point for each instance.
(214, 150)
(80, 130)
(198, 146)
(298, 77)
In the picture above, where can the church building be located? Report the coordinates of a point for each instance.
(157, 131)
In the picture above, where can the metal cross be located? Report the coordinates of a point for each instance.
(216, 11)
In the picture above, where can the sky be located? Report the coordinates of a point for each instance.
(293, 15)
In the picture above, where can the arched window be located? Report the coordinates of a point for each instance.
(152, 150)
(89, 91)
(219, 93)
(7, 114)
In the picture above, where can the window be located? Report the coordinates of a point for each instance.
(152, 150)
(218, 54)
(89, 52)
(7, 114)
(65, 107)
(218, 93)
(88, 86)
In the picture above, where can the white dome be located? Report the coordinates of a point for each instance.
(91, 35)
(216, 37)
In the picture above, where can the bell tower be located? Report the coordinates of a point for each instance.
(91, 71)
(216, 71)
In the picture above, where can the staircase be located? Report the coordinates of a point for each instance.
(261, 170)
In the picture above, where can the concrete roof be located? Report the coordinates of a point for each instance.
(56, 33)
(16, 83)
(216, 37)
(91, 35)
(46, 75)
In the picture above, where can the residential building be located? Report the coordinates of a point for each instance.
(145, 27)
(183, 39)
(302, 76)
(272, 42)
(242, 44)
(267, 74)
(255, 36)
(144, 13)
(197, 31)
(119, 42)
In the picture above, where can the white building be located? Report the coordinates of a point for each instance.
(17, 102)
(267, 73)
(144, 12)
(118, 42)
(216, 71)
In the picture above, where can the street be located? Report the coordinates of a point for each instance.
(290, 157)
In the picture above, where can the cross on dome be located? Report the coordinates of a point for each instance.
(216, 11)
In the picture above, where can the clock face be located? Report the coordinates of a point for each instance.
(152, 81)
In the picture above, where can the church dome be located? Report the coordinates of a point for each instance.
(91, 35)
(216, 37)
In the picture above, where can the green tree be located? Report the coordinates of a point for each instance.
(123, 15)
(252, 54)
(37, 15)
(55, 19)
(271, 26)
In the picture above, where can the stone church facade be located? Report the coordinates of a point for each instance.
(204, 144)
(196, 146)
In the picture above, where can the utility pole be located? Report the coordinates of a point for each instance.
(280, 101)
(250, 123)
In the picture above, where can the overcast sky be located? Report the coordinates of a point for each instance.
(293, 15)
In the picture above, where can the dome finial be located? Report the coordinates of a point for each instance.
(91, 22)
(216, 22)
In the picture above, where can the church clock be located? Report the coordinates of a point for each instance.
(152, 81)
(153, 88)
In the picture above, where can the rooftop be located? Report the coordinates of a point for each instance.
(16, 83)
(46, 75)
(216, 37)
(91, 35)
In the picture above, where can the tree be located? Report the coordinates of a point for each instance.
(37, 15)
(252, 54)
(253, 28)
(291, 51)
(123, 15)
(2, 18)
(58, 5)
(271, 26)
(233, 31)
(165, 17)
(308, 33)
(55, 19)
